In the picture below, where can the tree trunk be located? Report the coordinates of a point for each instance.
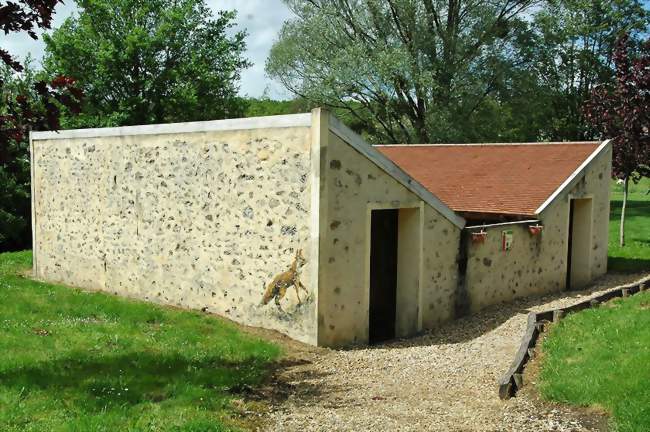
(622, 231)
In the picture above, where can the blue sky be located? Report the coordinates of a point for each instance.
(261, 18)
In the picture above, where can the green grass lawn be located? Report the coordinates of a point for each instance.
(601, 357)
(77, 361)
(635, 256)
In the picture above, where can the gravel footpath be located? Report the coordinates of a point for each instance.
(445, 380)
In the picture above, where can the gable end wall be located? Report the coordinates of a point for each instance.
(538, 264)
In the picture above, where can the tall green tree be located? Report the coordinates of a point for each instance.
(153, 61)
(413, 70)
(14, 163)
(571, 52)
(454, 70)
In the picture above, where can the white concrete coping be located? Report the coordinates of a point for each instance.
(502, 224)
(269, 122)
(388, 166)
(575, 176)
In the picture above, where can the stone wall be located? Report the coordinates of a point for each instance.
(351, 186)
(206, 219)
(538, 264)
(202, 220)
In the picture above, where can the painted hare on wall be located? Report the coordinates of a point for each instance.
(277, 289)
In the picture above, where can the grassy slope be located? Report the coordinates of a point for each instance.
(78, 361)
(601, 357)
(635, 255)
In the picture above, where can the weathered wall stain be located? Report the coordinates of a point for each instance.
(538, 264)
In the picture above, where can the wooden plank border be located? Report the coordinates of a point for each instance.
(512, 380)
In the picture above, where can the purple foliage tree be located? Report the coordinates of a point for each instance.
(622, 113)
(22, 113)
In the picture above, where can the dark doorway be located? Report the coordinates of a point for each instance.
(383, 274)
(570, 244)
(580, 243)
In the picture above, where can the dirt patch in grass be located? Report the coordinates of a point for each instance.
(644, 305)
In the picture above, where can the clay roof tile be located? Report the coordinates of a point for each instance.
(513, 179)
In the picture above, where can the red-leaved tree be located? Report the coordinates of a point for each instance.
(36, 108)
(21, 113)
(622, 113)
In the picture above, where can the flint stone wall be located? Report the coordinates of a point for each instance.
(201, 220)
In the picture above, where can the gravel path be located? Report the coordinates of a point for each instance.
(441, 381)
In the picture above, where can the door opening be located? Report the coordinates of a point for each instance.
(579, 244)
(383, 274)
(570, 243)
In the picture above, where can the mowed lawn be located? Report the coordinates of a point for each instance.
(601, 358)
(77, 361)
(635, 256)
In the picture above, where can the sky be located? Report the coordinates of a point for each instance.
(262, 19)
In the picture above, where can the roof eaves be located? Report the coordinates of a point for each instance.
(388, 166)
(496, 213)
(575, 176)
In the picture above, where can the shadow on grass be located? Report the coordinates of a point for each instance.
(633, 208)
(628, 265)
(96, 384)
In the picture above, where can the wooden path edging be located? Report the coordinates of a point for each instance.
(512, 380)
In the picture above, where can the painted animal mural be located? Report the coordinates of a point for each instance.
(277, 289)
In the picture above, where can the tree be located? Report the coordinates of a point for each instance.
(155, 61)
(453, 70)
(26, 103)
(265, 106)
(412, 70)
(571, 52)
(622, 112)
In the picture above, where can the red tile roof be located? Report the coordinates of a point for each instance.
(511, 179)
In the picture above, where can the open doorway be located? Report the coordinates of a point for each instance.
(383, 274)
(579, 243)
(395, 266)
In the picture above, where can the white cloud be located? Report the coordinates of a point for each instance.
(21, 45)
(262, 19)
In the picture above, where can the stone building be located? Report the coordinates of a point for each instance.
(294, 223)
